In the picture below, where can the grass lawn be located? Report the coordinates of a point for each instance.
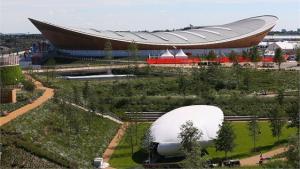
(244, 142)
(72, 135)
(122, 157)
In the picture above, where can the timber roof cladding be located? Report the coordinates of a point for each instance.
(194, 36)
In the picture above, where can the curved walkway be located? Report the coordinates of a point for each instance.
(114, 142)
(48, 93)
(253, 160)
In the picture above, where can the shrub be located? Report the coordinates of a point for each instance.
(28, 85)
(11, 75)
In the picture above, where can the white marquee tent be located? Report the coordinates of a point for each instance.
(167, 54)
(180, 54)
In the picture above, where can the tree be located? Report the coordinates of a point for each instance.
(132, 52)
(293, 153)
(182, 83)
(108, 52)
(276, 121)
(247, 79)
(129, 138)
(86, 91)
(298, 56)
(211, 56)
(76, 97)
(225, 138)
(189, 135)
(254, 55)
(245, 54)
(280, 96)
(294, 116)
(50, 64)
(233, 58)
(254, 130)
(146, 143)
(278, 58)
(190, 142)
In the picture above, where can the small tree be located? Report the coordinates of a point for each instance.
(146, 143)
(298, 56)
(254, 56)
(133, 52)
(276, 121)
(108, 52)
(189, 135)
(182, 84)
(129, 138)
(225, 138)
(293, 153)
(190, 142)
(211, 55)
(233, 58)
(50, 64)
(294, 116)
(278, 58)
(76, 96)
(280, 96)
(86, 91)
(254, 131)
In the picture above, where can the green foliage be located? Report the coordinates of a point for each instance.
(254, 55)
(108, 50)
(51, 129)
(133, 50)
(298, 55)
(191, 147)
(225, 138)
(294, 115)
(233, 57)
(189, 136)
(293, 153)
(280, 96)
(11, 75)
(278, 58)
(193, 158)
(16, 157)
(122, 158)
(28, 85)
(276, 121)
(254, 130)
(211, 55)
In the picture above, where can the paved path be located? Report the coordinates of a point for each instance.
(48, 93)
(252, 161)
(114, 142)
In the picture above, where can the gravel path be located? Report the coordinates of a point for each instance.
(253, 160)
(114, 142)
(48, 93)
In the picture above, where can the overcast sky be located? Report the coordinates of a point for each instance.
(142, 14)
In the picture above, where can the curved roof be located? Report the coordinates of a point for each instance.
(206, 118)
(195, 37)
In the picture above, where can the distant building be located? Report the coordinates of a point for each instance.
(287, 47)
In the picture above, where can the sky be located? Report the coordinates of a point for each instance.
(137, 15)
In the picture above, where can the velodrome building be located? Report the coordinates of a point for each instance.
(237, 35)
